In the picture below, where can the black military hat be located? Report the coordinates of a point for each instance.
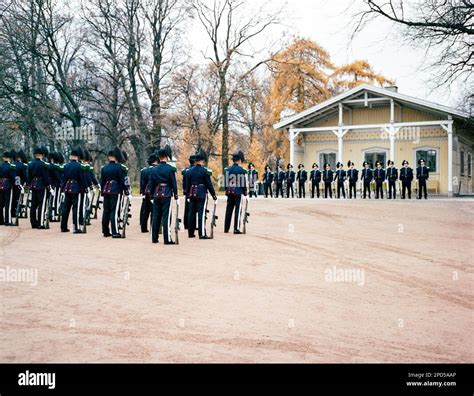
(59, 157)
(327, 164)
(267, 167)
(421, 159)
(117, 153)
(378, 163)
(192, 159)
(250, 164)
(9, 154)
(124, 157)
(350, 163)
(314, 165)
(21, 154)
(37, 150)
(165, 152)
(201, 155)
(365, 163)
(405, 162)
(239, 156)
(390, 162)
(76, 151)
(44, 150)
(87, 155)
(289, 166)
(153, 157)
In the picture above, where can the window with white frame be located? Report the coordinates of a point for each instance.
(327, 158)
(431, 158)
(469, 165)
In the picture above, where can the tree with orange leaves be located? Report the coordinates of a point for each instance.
(356, 73)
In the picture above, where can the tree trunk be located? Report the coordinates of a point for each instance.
(225, 122)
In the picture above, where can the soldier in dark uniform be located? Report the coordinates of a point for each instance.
(267, 181)
(55, 177)
(366, 177)
(392, 176)
(22, 178)
(280, 177)
(340, 176)
(147, 206)
(406, 177)
(422, 174)
(164, 186)
(8, 183)
(38, 182)
(73, 184)
(235, 186)
(192, 161)
(301, 176)
(113, 185)
(379, 177)
(290, 179)
(315, 179)
(353, 177)
(199, 184)
(253, 178)
(328, 176)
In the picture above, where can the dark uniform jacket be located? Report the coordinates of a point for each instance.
(290, 176)
(163, 181)
(112, 179)
(144, 179)
(268, 177)
(21, 171)
(73, 178)
(422, 173)
(353, 175)
(235, 183)
(198, 182)
(302, 176)
(328, 176)
(406, 174)
(315, 175)
(392, 174)
(38, 175)
(340, 175)
(280, 176)
(379, 175)
(7, 176)
(55, 175)
(367, 175)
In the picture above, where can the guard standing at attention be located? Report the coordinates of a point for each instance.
(315, 178)
(38, 182)
(192, 161)
(301, 176)
(147, 205)
(267, 181)
(290, 179)
(199, 183)
(392, 176)
(328, 176)
(8, 183)
(113, 185)
(164, 186)
(366, 177)
(73, 185)
(341, 178)
(253, 179)
(280, 177)
(235, 186)
(353, 176)
(21, 173)
(422, 174)
(406, 177)
(379, 177)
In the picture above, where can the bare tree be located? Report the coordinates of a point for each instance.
(231, 27)
(446, 26)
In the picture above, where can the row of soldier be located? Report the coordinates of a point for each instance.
(54, 189)
(341, 181)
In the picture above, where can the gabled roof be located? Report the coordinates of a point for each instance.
(287, 122)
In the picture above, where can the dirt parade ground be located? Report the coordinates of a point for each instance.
(312, 281)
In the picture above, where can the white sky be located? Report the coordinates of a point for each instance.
(381, 43)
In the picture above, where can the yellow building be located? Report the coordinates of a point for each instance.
(372, 124)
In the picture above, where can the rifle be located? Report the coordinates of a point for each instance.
(213, 219)
(28, 203)
(177, 222)
(61, 206)
(19, 207)
(246, 214)
(88, 210)
(47, 215)
(126, 214)
(96, 205)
